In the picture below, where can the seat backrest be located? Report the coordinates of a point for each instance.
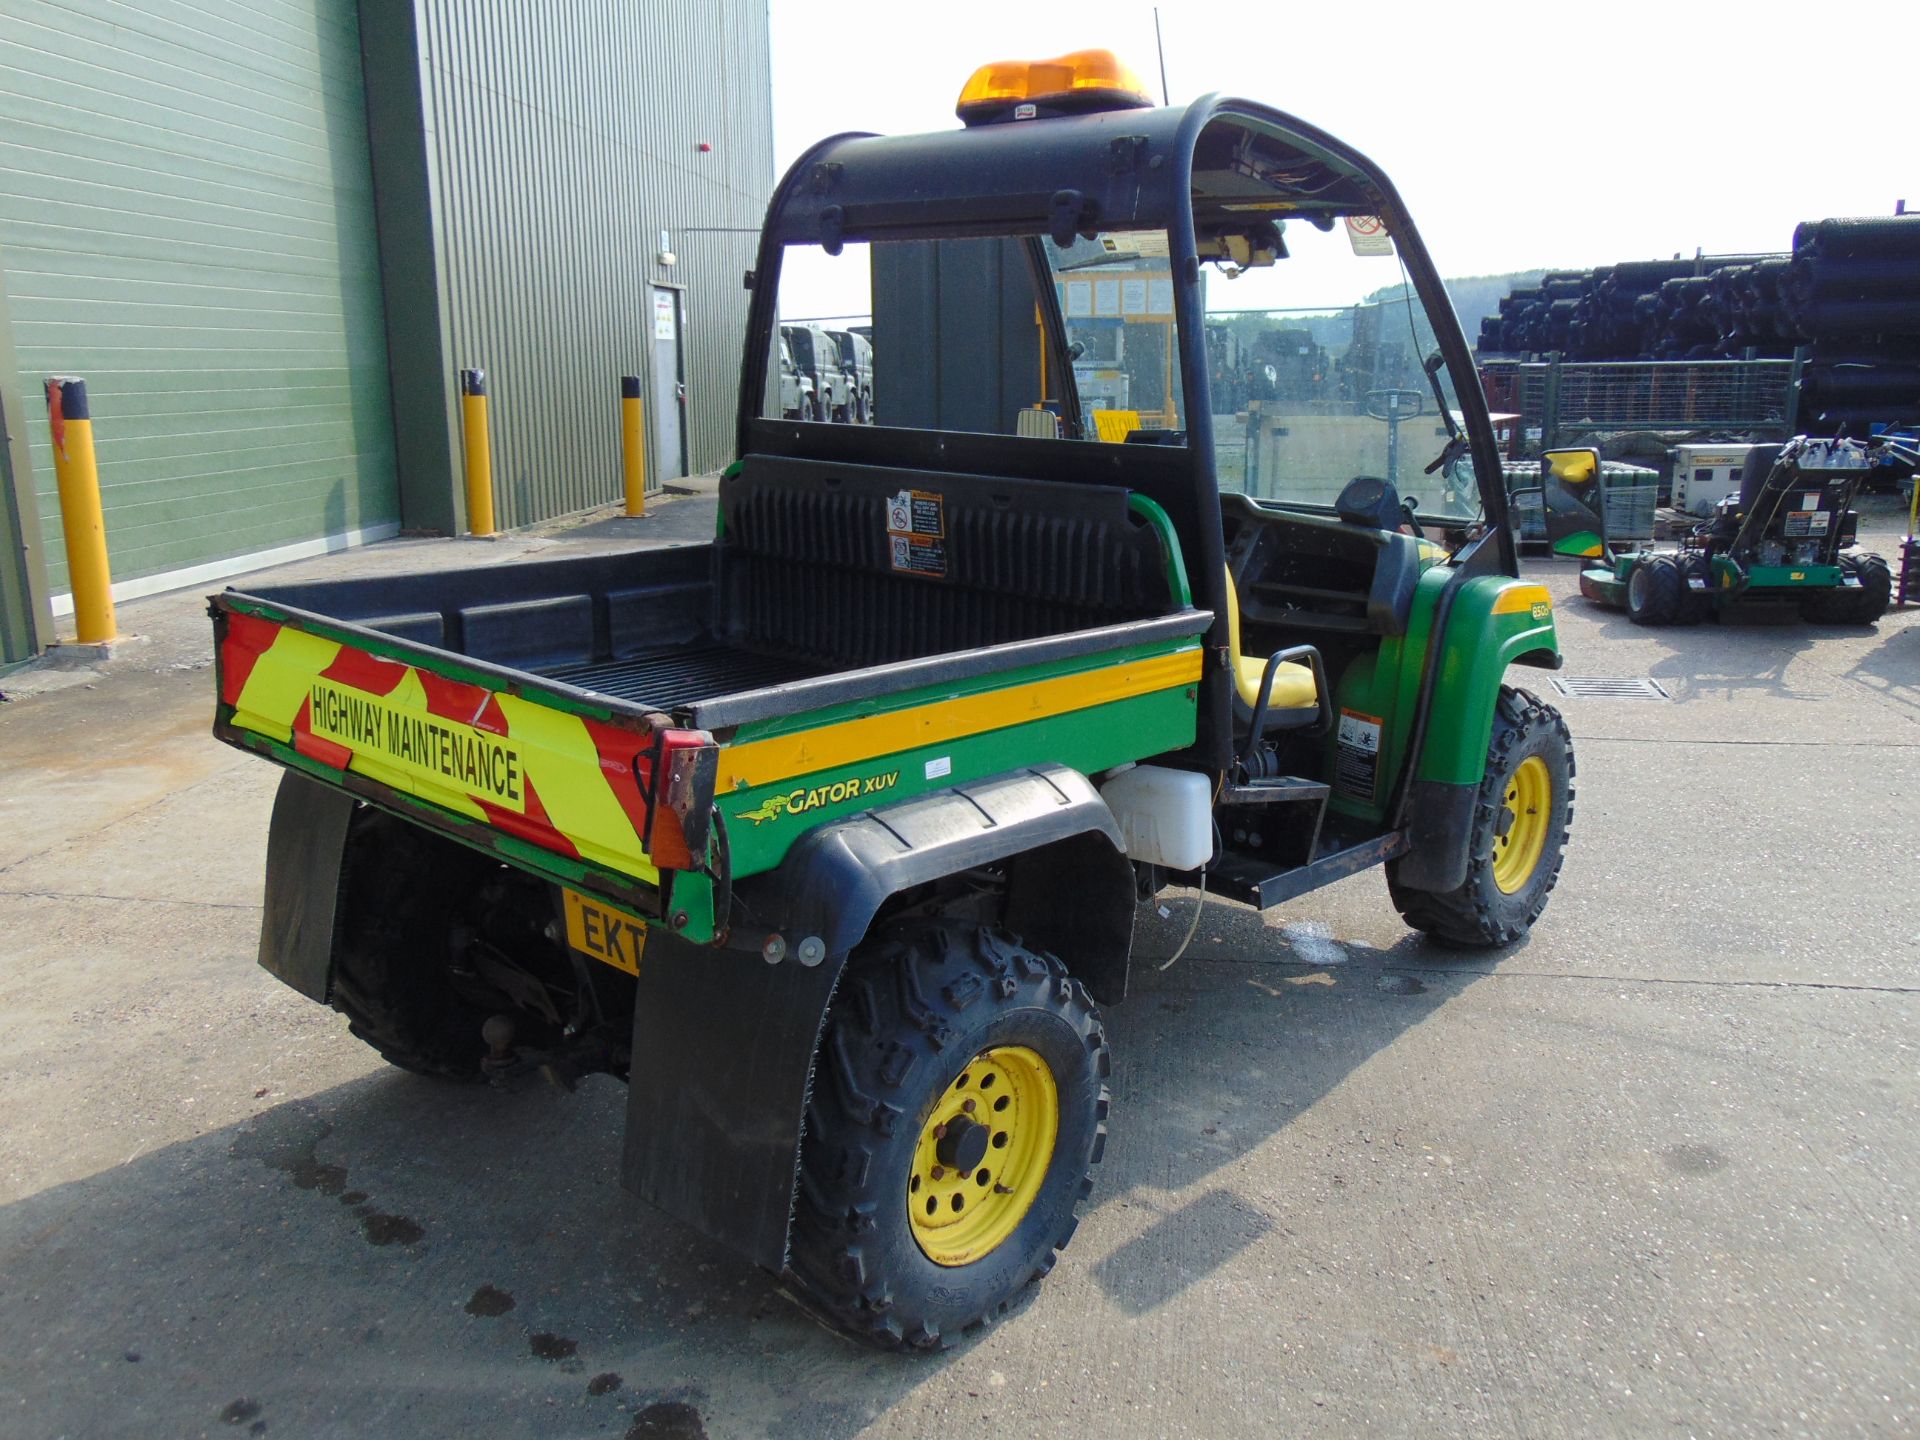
(1754, 472)
(863, 565)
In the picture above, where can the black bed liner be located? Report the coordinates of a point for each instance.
(673, 678)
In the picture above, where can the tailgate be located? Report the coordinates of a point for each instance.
(545, 776)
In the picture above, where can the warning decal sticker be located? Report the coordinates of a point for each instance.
(1807, 522)
(917, 532)
(1356, 769)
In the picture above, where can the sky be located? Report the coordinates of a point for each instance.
(1521, 136)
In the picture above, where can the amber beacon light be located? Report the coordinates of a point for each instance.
(1033, 89)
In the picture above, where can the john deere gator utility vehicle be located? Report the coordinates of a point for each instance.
(828, 837)
(1785, 541)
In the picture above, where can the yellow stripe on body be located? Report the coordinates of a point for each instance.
(277, 686)
(760, 762)
(564, 765)
(1520, 599)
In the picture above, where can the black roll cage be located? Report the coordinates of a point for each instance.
(1110, 170)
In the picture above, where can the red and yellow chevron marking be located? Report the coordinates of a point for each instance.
(560, 781)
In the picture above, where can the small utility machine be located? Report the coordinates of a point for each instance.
(1786, 540)
(828, 837)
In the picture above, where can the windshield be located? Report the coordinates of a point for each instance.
(1314, 367)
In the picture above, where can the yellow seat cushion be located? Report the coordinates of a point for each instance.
(1293, 687)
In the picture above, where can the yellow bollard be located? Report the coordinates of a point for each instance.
(80, 520)
(473, 420)
(633, 445)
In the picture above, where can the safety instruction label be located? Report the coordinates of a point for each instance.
(423, 745)
(917, 532)
(1807, 522)
(1356, 766)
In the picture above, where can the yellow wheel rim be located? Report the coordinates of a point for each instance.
(1530, 802)
(983, 1155)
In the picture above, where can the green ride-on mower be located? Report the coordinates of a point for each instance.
(827, 840)
(1785, 541)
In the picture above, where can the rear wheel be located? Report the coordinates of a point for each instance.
(392, 976)
(1655, 590)
(958, 1111)
(1851, 605)
(1519, 837)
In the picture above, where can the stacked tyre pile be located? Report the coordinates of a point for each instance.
(1849, 292)
(1852, 290)
(1702, 309)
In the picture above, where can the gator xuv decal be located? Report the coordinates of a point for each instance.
(827, 792)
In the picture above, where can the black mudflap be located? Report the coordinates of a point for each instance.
(723, 1049)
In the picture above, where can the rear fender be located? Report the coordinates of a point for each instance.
(1047, 824)
(724, 1044)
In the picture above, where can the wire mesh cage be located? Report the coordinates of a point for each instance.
(1562, 403)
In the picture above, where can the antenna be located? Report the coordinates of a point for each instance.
(1161, 46)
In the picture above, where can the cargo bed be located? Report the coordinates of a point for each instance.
(592, 718)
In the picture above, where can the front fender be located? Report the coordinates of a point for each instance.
(1495, 622)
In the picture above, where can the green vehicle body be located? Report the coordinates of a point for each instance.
(470, 773)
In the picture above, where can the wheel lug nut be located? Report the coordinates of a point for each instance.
(940, 1131)
(938, 1173)
(967, 1105)
(966, 1174)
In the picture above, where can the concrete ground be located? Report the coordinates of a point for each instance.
(1650, 1173)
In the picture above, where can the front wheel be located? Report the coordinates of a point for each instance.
(1655, 591)
(1520, 822)
(957, 1113)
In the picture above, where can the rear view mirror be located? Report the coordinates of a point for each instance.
(1575, 510)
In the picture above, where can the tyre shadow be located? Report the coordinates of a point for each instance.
(1218, 1055)
(396, 1256)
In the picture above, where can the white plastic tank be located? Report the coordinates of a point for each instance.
(1165, 815)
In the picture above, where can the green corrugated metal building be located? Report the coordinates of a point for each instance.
(270, 233)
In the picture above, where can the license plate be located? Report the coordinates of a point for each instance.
(607, 935)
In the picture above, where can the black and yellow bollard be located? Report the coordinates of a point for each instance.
(473, 420)
(633, 445)
(78, 474)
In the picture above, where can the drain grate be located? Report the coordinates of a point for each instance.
(1607, 687)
